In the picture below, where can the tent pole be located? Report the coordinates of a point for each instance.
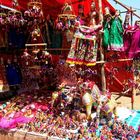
(103, 79)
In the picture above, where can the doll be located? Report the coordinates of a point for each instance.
(106, 27)
(127, 33)
(134, 50)
(116, 33)
(27, 58)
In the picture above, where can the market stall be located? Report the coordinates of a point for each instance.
(62, 61)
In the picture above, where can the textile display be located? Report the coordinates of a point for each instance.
(83, 49)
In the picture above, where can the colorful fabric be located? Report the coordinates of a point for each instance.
(135, 44)
(83, 49)
(116, 35)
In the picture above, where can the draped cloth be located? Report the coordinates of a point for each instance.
(83, 49)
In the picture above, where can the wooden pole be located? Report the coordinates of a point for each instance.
(103, 79)
(131, 12)
(129, 9)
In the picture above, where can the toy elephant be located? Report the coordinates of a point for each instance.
(91, 94)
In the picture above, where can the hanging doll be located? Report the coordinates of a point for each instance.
(26, 58)
(93, 12)
(135, 44)
(106, 26)
(127, 35)
(116, 33)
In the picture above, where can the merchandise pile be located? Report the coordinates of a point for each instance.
(34, 112)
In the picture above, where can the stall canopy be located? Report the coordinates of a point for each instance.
(53, 7)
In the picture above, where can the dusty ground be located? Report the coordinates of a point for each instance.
(126, 101)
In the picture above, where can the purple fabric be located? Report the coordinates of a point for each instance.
(127, 41)
(135, 44)
(12, 123)
(7, 124)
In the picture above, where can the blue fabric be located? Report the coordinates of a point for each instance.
(16, 38)
(134, 120)
(13, 75)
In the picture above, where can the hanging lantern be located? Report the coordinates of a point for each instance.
(67, 16)
(34, 9)
(15, 18)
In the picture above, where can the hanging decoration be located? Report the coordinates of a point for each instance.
(15, 18)
(35, 20)
(67, 16)
(34, 10)
(84, 46)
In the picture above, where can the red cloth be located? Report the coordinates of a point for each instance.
(54, 7)
(119, 75)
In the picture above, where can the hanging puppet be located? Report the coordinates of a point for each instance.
(116, 33)
(107, 27)
(135, 44)
(127, 34)
(93, 13)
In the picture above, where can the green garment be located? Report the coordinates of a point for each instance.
(106, 35)
(116, 34)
